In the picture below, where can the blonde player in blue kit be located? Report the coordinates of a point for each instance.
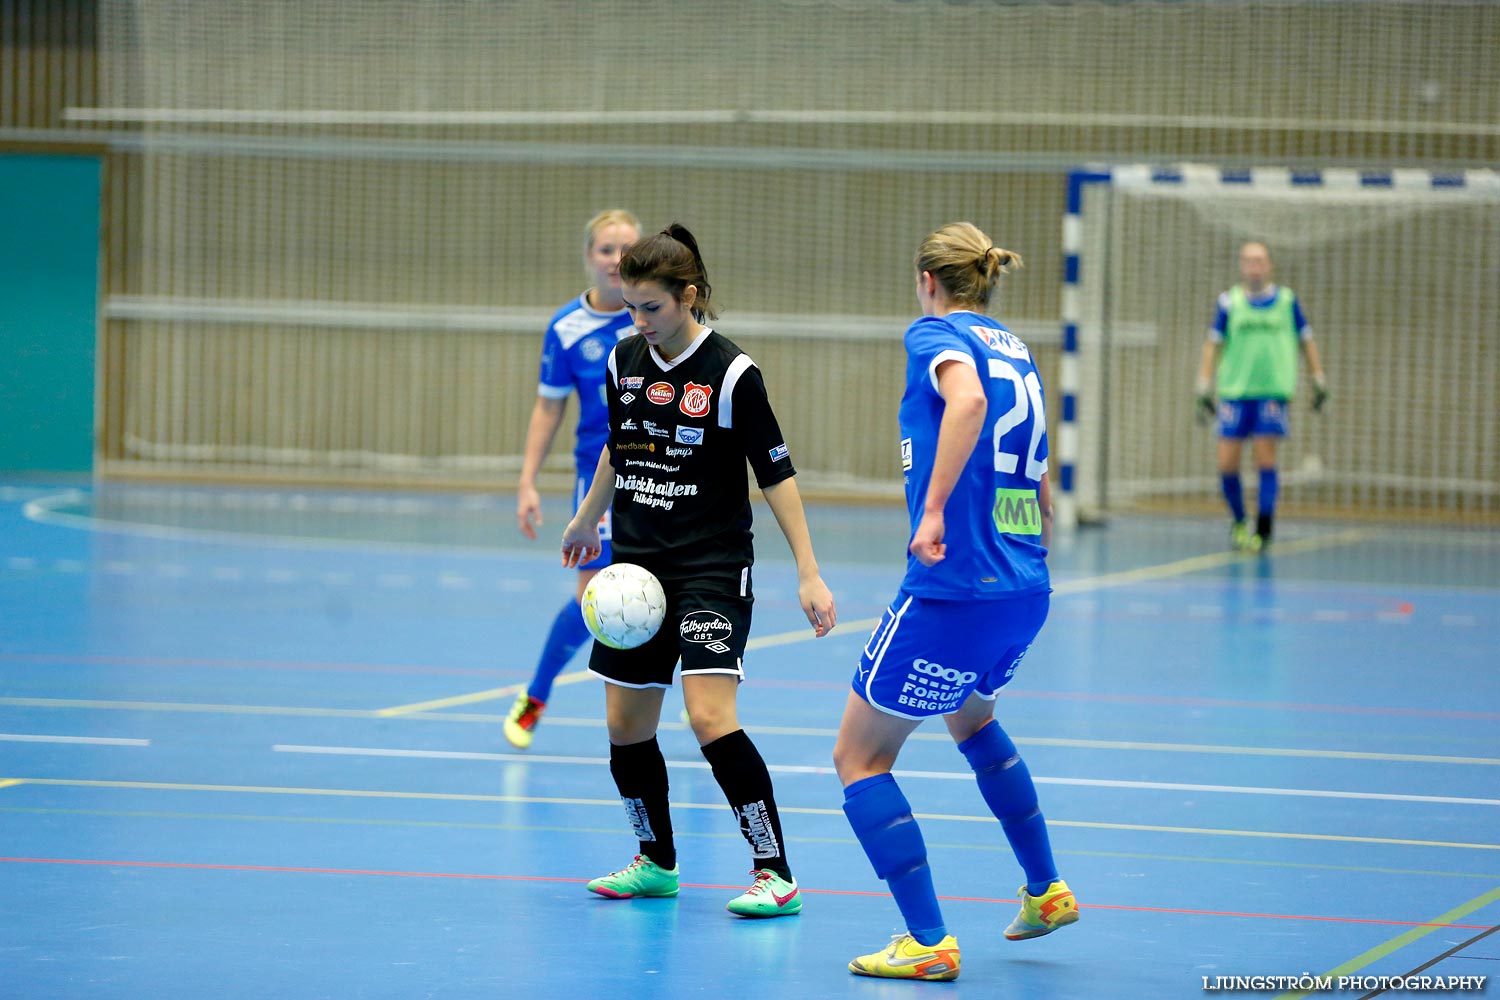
(574, 353)
(975, 595)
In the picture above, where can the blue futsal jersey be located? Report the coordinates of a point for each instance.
(574, 354)
(993, 527)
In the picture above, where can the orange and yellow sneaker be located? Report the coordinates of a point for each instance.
(907, 958)
(1043, 914)
(525, 714)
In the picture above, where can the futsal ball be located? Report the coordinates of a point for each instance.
(623, 605)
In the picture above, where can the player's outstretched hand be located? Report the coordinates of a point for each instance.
(927, 541)
(580, 543)
(817, 604)
(1204, 411)
(528, 511)
(1320, 395)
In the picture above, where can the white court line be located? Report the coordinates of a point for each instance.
(472, 718)
(106, 741)
(1168, 786)
(1039, 741)
(43, 510)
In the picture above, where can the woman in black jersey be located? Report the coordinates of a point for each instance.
(687, 408)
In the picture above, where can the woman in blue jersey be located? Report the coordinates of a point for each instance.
(975, 595)
(574, 354)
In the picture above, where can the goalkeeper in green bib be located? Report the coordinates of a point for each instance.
(1250, 361)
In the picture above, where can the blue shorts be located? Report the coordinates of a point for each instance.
(606, 525)
(1242, 418)
(927, 656)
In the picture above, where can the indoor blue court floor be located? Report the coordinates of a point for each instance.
(250, 746)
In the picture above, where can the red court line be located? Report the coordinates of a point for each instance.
(313, 665)
(695, 885)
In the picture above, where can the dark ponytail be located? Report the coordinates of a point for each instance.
(672, 258)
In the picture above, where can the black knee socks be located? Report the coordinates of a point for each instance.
(742, 774)
(640, 773)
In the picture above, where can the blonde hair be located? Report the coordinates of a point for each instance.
(608, 217)
(965, 262)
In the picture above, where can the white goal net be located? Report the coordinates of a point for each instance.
(1398, 274)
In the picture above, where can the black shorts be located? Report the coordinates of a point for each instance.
(705, 628)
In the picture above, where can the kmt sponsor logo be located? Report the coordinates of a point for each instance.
(705, 626)
(694, 399)
(689, 435)
(661, 393)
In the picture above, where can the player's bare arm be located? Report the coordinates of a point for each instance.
(816, 599)
(580, 541)
(546, 417)
(964, 408)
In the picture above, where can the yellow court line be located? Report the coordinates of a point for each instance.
(1213, 560)
(803, 810)
(1104, 581)
(468, 699)
(7, 782)
(489, 694)
(579, 676)
(1400, 941)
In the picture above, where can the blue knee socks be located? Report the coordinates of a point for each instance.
(567, 635)
(1234, 494)
(1006, 785)
(1270, 485)
(882, 820)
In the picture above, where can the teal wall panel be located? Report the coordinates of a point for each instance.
(49, 295)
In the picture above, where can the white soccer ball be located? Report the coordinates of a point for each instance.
(623, 605)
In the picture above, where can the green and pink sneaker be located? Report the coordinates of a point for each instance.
(642, 877)
(769, 895)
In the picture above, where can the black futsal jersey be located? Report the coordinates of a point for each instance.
(680, 432)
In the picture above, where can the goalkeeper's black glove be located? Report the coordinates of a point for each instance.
(1320, 394)
(1204, 405)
